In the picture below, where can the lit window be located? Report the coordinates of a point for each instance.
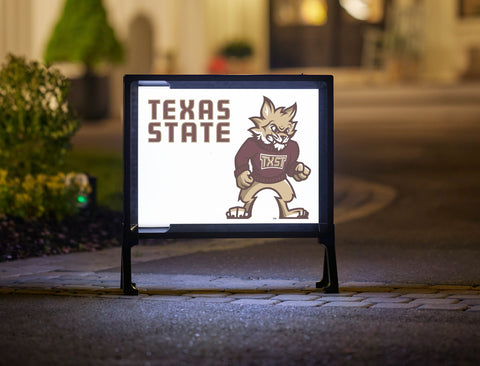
(300, 12)
(365, 10)
(313, 12)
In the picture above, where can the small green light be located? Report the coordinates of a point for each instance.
(82, 199)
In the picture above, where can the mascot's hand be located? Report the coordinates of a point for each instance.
(244, 180)
(301, 172)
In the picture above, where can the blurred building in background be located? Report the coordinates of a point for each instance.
(376, 40)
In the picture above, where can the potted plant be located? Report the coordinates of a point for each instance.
(83, 35)
(237, 54)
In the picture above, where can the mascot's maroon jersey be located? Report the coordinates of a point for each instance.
(269, 165)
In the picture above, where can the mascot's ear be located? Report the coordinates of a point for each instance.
(267, 108)
(291, 111)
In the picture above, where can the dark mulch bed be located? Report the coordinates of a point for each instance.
(88, 231)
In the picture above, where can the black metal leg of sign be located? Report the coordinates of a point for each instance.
(126, 276)
(329, 281)
(325, 279)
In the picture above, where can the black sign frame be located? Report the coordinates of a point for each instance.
(324, 231)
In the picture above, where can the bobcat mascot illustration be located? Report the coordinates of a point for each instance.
(272, 155)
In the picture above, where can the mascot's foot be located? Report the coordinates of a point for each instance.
(296, 213)
(238, 213)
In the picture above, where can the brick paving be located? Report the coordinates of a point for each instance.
(84, 274)
(237, 291)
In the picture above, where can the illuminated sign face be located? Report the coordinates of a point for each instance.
(227, 156)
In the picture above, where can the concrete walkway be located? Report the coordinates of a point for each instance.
(239, 291)
(94, 274)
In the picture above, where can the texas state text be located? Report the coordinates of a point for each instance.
(189, 120)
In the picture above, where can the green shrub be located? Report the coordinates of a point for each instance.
(41, 196)
(36, 122)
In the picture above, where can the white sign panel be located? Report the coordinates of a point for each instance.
(227, 156)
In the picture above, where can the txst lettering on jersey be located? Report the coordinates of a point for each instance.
(272, 161)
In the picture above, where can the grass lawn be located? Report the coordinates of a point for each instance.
(107, 167)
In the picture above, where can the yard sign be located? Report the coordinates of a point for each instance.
(228, 156)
